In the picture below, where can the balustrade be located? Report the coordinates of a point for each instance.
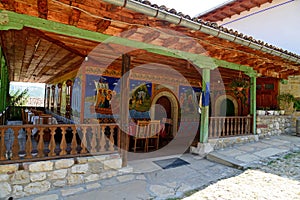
(64, 140)
(229, 126)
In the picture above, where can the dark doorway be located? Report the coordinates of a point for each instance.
(227, 108)
(164, 110)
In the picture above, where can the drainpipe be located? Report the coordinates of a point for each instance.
(178, 20)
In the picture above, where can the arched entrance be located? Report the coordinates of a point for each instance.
(226, 105)
(166, 111)
(165, 105)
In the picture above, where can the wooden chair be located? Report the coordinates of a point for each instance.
(168, 127)
(45, 119)
(24, 116)
(153, 134)
(141, 133)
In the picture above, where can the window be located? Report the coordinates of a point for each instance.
(269, 86)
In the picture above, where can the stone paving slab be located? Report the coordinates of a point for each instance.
(270, 152)
(132, 190)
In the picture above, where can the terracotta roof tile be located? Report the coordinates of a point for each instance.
(215, 26)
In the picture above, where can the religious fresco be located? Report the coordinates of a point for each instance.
(76, 97)
(99, 94)
(140, 95)
(63, 103)
(189, 100)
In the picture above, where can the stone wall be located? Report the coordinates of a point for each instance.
(291, 86)
(268, 125)
(25, 179)
(220, 143)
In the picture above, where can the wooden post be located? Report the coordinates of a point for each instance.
(253, 102)
(124, 107)
(205, 105)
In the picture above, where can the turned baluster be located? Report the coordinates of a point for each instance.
(40, 146)
(111, 139)
(99, 137)
(74, 141)
(15, 146)
(94, 139)
(102, 140)
(63, 143)
(83, 141)
(28, 147)
(52, 144)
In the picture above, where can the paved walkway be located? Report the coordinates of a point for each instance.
(149, 181)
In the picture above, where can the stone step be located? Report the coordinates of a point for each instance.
(228, 161)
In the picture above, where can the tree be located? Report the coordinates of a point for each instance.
(16, 99)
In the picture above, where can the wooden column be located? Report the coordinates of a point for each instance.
(124, 108)
(205, 105)
(253, 101)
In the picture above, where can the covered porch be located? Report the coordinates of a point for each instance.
(82, 51)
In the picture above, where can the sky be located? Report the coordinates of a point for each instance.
(189, 7)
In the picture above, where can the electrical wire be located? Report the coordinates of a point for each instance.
(199, 39)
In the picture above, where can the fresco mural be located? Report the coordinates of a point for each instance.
(63, 103)
(140, 92)
(189, 100)
(76, 97)
(99, 94)
(140, 99)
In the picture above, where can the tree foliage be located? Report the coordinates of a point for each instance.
(19, 98)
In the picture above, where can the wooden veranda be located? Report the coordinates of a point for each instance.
(66, 44)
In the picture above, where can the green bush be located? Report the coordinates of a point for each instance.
(297, 104)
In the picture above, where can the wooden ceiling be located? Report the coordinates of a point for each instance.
(35, 55)
(230, 9)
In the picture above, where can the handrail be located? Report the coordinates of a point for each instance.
(20, 143)
(230, 126)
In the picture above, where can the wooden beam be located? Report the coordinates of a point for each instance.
(43, 8)
(103, 24)
(75, 16)
(19, 21)
(9, 4)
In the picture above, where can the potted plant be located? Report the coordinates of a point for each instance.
(286, 102)
(239, 84)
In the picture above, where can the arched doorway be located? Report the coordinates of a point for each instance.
(227, 107)
(165, 105)
(165, 112)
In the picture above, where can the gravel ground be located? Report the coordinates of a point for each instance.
(274, 179)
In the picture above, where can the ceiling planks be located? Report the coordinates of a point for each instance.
(39, 56)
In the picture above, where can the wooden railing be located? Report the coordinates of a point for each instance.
(56, 141)
(229, 126)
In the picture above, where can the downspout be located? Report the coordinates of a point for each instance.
(178, 20)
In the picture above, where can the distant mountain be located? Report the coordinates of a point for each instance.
(35, 91)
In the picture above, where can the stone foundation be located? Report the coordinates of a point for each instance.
(221, 143)
(25, 179)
